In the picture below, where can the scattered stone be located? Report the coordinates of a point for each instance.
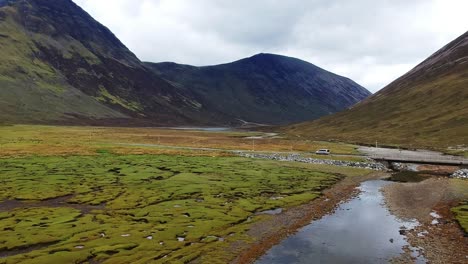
(79, 247)
(405, 166)
(299, 158)
(125, 235)
(460, 174)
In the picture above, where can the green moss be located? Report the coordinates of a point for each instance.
(133, 208)
(57, 89)
(105, 96)
(461, 214)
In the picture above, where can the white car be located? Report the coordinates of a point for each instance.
(323, 152)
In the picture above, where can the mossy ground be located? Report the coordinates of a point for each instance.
(24, 140)
(459, 190)
(138, 197)
(74, 194)
(461, 213)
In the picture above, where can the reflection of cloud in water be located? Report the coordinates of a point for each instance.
(358, 232)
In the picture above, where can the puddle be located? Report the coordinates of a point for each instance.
(277, 198)
(361, 230)
(271, 212)
(408, 176)
(24, 250)
(211, 238)
(61, 201)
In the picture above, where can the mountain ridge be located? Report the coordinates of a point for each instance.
(265, 78)
(60, 66)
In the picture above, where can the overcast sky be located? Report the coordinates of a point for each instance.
(370, 41)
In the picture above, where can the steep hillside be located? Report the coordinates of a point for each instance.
(265, 88)
(428, 106)
(59, 65)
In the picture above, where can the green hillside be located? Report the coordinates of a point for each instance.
(426, 107)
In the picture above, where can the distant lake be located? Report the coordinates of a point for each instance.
(214, 129)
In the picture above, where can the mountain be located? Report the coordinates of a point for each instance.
(265, 88)
(428, 106)
(60, 66)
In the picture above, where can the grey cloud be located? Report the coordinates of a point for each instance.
(372, 42)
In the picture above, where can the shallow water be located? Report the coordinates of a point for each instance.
(361, 230)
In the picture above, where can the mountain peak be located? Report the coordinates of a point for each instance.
(266, 88)
(271, 57)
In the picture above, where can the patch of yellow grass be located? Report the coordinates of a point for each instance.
(23, 140)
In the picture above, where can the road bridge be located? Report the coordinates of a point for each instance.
(416, 156)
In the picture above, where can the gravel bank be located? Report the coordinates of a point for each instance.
(298, 158)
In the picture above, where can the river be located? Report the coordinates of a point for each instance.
(361, 230)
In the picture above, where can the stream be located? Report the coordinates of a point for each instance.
(361, 230)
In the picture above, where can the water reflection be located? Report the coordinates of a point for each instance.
(361, 230)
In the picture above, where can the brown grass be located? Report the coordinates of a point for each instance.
(24, 140)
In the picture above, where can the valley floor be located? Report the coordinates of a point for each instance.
(120, 195)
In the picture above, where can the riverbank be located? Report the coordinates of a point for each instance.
(429, 202)
(273, 230)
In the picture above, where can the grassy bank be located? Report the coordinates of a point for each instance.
(461, 213)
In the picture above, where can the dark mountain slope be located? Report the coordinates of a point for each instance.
(59, 64)
(265, 88)
(428, 106)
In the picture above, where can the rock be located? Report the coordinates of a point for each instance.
(299, 158)
(460, 174)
